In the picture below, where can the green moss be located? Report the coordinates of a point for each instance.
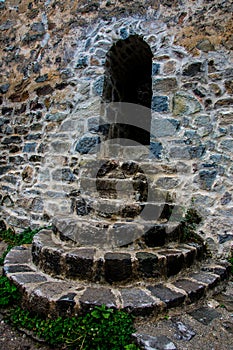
(9, 294)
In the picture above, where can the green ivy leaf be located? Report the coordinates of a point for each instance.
(95, 314)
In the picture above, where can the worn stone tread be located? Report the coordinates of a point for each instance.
(209, 279)
(170, 297)
(103, 232)
(194, 290)
(128, 208)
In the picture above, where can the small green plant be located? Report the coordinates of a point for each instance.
(131, 347)
(189, 225)
(100, 329)
(231, 262)
(9, 294)
(13, 239)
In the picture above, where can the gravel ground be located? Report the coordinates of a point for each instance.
(207, 325)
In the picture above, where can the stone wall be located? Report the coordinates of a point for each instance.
(53, 67)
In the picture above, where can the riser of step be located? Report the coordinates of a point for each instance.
(45, 295)
(122, 169)
(138, 189)
(112, 234)
(110, 208)
(107, 266)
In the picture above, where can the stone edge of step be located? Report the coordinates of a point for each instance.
(86, 263)
(85, 231)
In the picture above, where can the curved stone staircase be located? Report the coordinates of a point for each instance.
(124, 245)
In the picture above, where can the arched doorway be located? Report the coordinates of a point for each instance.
(128, 79)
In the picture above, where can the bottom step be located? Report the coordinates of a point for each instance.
(52, 296)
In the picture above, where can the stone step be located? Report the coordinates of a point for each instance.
(131, 180)
(87, 231)
(125, 208)
(46, 295)
(59, 258)
(139, 188)
(110, 168)
(120, 169)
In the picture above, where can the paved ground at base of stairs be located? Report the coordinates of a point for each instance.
(207, 325)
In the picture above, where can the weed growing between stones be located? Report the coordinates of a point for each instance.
(24, 237)
(189, 226)
(13, 239)
(9, 294)
(100, 329)
(231, 262)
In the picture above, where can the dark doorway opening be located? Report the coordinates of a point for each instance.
(128, 79)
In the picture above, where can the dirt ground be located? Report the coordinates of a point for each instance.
(11, 339)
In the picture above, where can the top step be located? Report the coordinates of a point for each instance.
(115, 168)
(99, 233)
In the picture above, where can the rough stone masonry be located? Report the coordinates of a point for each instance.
(53, 68)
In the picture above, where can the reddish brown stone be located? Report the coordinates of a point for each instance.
(19, 97)
(27, 173)
(44, 90)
